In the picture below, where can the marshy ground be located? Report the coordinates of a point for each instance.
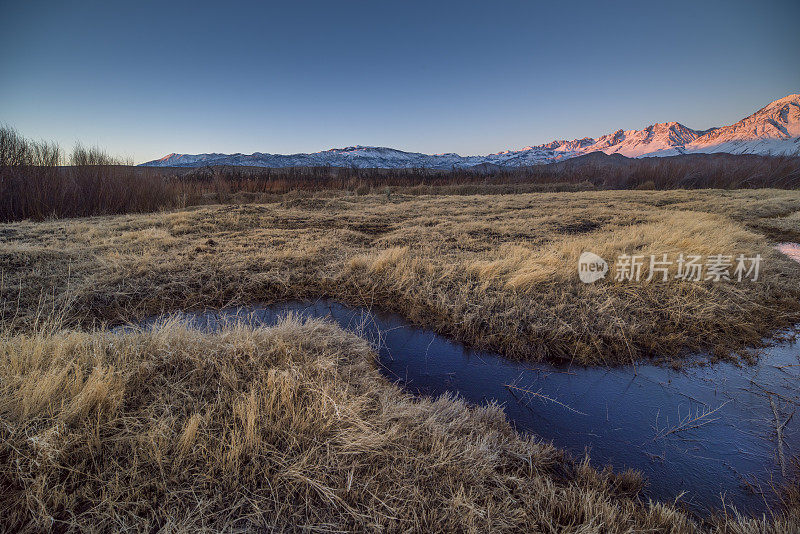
(496, 271)
(292, 427)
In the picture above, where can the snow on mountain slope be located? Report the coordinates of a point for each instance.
(774, 129)
(635, 143)
(356, 156)
(778, 120)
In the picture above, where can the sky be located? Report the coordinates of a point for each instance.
(144, 79)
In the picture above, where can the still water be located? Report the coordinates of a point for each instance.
(706, 433)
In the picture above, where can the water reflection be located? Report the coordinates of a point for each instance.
(709, 433)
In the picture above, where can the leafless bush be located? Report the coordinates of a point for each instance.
(35, 182)
(698, 171)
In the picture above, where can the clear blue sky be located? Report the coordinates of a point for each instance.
(145, 78)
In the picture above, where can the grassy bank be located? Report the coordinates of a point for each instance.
(286, 428)
(497, 272)
(292, 427)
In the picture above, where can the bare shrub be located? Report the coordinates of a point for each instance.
(37, 182)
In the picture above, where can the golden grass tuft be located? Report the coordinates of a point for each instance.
(525, 268)
(283, 428)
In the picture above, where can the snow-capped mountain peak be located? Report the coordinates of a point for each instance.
(773, 129)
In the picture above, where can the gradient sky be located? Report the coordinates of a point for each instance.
(143, 79)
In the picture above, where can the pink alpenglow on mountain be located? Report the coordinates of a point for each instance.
(772, 130)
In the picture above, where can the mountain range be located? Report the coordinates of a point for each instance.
(772, 130)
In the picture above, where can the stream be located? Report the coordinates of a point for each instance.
(708, 434)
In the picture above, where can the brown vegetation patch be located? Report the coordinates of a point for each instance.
(285, 428)
(490, 271)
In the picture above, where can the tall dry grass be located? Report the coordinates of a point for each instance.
(292, 428)
(285, 428)
(496, 272)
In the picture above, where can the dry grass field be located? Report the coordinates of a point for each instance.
(495, 271)
(280, 428)
(292, 427)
